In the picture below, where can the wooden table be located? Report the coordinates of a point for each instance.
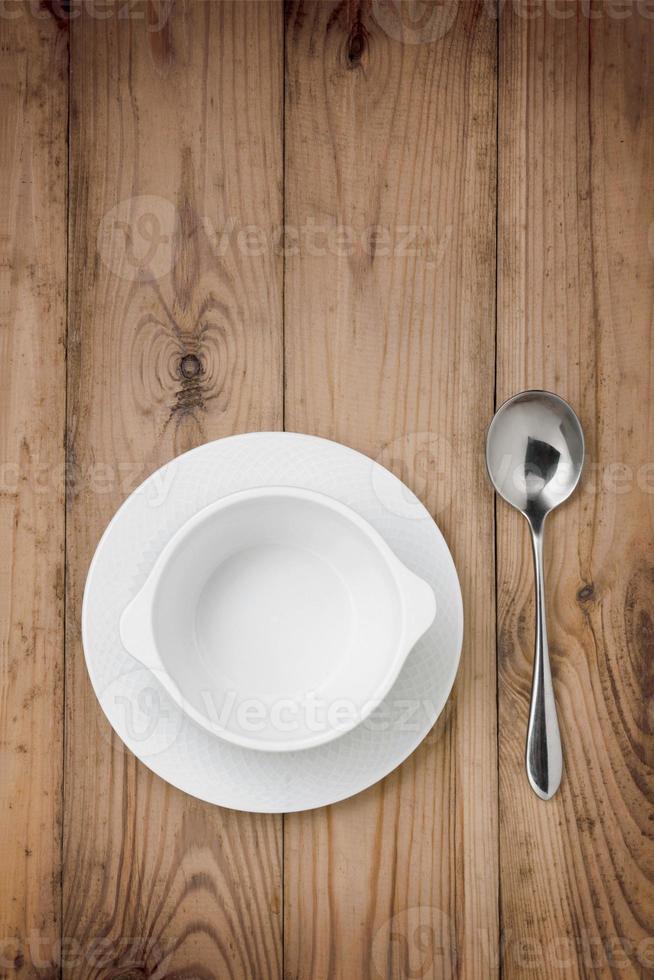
(372, 223)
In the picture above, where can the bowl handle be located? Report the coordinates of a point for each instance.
(136, 631)
(420, 604)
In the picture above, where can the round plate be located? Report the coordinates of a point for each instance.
(149, 722)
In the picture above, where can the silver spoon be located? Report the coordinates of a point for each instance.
(534, 455)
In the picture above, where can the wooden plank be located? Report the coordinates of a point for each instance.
(175, 340)
(576, 205)
(391, 350)
(33, 162)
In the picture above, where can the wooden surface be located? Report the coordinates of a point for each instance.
(163, 356)
(378, 349)
(469, 204)
(575, 279)
(33, 157)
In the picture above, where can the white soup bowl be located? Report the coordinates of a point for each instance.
(277, 618)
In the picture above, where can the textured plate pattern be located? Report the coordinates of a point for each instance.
(148, 721)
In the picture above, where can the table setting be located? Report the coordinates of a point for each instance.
(327, 624)
(274, 634)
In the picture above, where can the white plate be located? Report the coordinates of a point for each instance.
(144, 715)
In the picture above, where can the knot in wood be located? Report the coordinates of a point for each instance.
(190, 367)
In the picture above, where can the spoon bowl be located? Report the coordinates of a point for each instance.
(534, 455)
(535, 451)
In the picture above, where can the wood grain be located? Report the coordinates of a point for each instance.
(389, 316)
(576, 205)
(175, 339)
(175, 287)
(33, 94)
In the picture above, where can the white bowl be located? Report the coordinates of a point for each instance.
(277, 618)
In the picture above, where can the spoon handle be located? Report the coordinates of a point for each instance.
(544, 759)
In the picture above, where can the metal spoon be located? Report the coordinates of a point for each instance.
(534, 455)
